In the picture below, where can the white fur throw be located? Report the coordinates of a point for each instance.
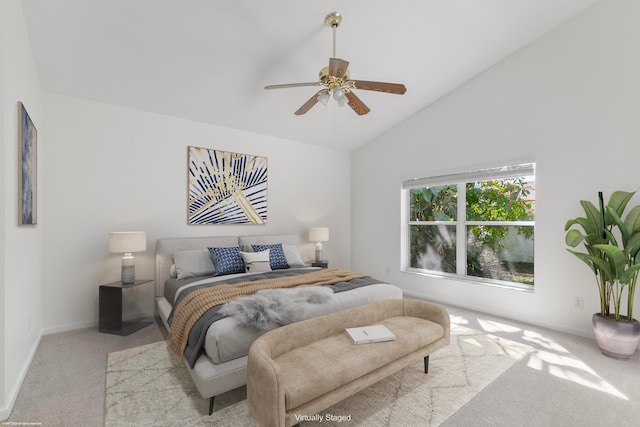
(271, 308)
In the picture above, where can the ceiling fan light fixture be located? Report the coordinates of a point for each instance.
(323, 98)
(339, 95)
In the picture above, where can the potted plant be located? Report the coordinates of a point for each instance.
(612, 245)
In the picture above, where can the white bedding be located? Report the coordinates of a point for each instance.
(227, 339)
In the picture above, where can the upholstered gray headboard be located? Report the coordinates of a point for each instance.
(165, 249)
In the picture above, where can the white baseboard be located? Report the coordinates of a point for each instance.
(5, 412)
(70, 327)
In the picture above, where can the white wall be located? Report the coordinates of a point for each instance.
(21, 256)
(111, 168)
(571, 102)
(3, 147)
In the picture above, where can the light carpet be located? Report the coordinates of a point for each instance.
(149, 386)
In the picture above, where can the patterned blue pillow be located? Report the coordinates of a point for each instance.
(277, 260)
(227, 260)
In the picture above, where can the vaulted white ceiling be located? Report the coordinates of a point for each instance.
(208, 60)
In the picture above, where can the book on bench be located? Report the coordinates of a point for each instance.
(368, 334)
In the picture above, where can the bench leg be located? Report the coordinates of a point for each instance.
(211, 404)
(426, 364)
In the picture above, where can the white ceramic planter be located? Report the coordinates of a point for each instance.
(616, 339)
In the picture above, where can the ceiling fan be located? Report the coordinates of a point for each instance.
(336, 81)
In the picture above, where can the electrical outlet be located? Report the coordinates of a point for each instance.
(578, 302)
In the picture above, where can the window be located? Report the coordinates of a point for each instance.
(475, 226)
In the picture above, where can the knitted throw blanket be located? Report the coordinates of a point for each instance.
(194, 305)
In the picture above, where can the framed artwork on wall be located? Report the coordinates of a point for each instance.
(226, 187)
(27, 169)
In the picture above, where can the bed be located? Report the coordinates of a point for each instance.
(183, 268)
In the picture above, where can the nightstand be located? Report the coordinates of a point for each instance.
(323, 264)
(125, 309)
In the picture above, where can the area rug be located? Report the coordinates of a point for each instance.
(149, 386)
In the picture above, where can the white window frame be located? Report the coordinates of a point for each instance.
(461, 179)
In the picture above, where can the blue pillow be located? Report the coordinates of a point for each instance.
(227, 260)
(277, 260)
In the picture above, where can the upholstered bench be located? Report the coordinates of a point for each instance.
(305, 367)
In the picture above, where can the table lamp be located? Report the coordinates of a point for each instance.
(128, 242)
(319, 235)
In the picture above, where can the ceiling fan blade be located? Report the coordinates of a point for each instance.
(338, 67)
(292, 85)
(356, 103)
(307, 105)
(380, 86)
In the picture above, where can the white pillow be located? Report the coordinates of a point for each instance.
(256, 262)
(193, 263)
(293, 256)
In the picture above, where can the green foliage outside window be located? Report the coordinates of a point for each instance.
(434, 203)
(501, 200)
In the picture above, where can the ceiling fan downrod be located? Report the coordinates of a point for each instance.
(333, 20)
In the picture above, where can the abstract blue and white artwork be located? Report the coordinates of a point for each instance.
(27, 188)
(226, 187)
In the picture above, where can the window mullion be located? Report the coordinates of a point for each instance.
(503, 223)
(461, 231)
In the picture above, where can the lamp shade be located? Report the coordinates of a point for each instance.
(318, 234)
(127, 241)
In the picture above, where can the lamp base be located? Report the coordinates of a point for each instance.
(128, 269)
(319, 252)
